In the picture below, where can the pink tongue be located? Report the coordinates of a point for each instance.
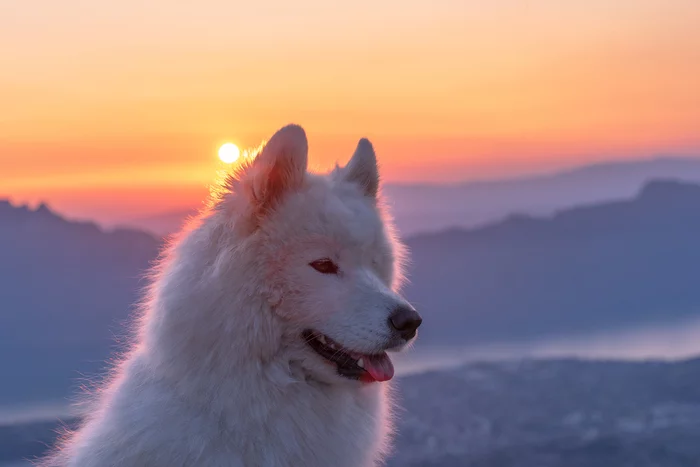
(379, 367)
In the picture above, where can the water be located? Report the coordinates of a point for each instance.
(675, 341)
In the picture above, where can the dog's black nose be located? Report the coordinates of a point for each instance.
(405, 320)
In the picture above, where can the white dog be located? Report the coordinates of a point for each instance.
(262, 341)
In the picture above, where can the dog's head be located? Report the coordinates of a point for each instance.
(327, 257)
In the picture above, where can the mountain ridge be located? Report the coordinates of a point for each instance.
(68, 288)
(419, 207)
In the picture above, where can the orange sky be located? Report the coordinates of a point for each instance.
(115, 109)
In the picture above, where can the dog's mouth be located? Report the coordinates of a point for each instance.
(367, 368)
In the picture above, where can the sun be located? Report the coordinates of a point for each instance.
(229, 153)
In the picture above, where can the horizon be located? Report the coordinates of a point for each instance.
(111, 222)
(178, 218)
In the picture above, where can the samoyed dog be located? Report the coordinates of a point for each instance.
(263, 339)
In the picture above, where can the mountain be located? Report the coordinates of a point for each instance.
(419, 208)
(162, 224)
(559, 413)
(65, 288)
(581, 270)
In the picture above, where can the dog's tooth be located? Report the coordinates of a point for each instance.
(361, 363)
(322, 340)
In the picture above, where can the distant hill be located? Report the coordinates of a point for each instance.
(67, 288)
(162, 224)
(559, 413)
(582, 270)
(431, 207)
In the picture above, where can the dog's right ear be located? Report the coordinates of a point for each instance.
(279, 168)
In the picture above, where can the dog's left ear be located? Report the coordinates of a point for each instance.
(363, 169)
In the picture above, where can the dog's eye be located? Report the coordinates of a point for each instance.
(324, 266)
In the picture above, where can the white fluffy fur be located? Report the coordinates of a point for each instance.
(218, 374)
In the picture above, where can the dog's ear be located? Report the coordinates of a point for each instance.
(363, 168)
(279, 168)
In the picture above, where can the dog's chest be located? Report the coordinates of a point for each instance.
(340, 428)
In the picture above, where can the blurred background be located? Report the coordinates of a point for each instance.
(541, 158)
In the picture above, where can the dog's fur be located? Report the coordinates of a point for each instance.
(219, 375)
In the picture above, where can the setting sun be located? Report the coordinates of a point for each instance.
(229, 153)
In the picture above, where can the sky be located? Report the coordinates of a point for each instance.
(116, 109)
